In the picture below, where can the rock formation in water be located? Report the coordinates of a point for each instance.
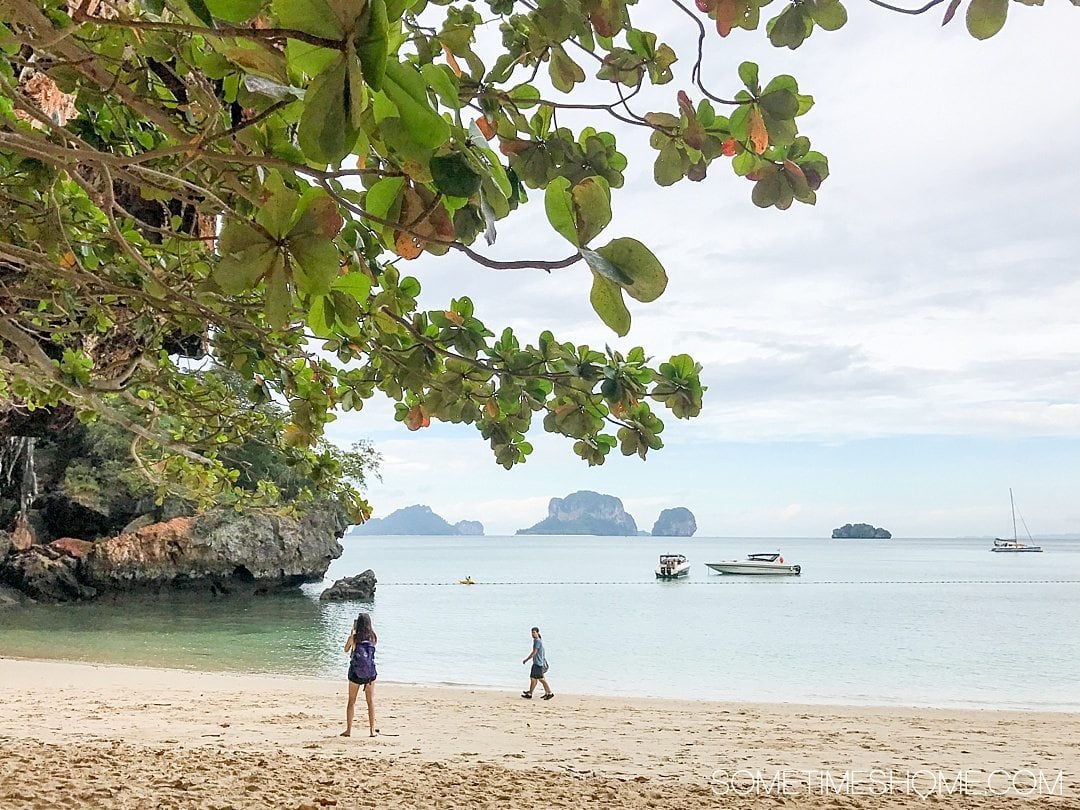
(676, 522)
(217, 552)
(220, 551)
(860, 531)
(417, 520)
(359, 588)
(585, 512)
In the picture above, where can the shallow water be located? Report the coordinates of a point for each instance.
(911, 622)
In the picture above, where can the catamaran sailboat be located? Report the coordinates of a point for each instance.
(1014, 545)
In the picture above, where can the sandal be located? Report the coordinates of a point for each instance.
(548, 696)
(527, 695)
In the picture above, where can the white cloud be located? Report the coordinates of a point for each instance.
(931, 292)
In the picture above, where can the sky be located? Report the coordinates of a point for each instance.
(900, 354)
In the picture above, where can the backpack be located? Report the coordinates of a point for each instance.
(362, 667)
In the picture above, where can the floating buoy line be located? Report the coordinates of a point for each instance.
(737, 580)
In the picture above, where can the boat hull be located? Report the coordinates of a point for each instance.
(676, 573)
(755, 568)
(1021, 550)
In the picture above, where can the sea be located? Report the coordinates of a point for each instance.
(911, 622)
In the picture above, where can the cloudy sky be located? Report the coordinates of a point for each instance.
(900, 354)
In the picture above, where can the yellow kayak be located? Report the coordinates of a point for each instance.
(466, 581)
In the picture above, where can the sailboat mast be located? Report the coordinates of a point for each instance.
(1013, 507)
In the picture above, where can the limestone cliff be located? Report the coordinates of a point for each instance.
(417, 520)
(585, 512)
(217, 552)
(677, 522)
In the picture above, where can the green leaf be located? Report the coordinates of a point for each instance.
(241, 270)
(234, 11)
(383, 200)
(767, 191)
(454, 175)
(649, 280)
(445, 84)
(277, 210)
(605, 268)
(829, 14)
(986, 17)
(559, 205)
(592, 208)
(326, 134)
(564, 71)
(319, 215)
(670, 166)
(310, 16)
(321, 316)
(780, 103)
(372, 42)
(406, 88)
(356, 94)
(748, 72)
(308, 60)
(278, 296)
(237, 235)
(199, 9)
(607, 301)
(320, 262)
(355, 285)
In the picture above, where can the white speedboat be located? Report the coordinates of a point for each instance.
(771, 563)
(672, 566)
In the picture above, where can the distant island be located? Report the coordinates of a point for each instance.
(594, 513)
(860, 531)
(585, 512)
(417, 520)
(677, 522)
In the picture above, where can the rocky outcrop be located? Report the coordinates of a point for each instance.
(359, 588)
(677, 522)
(218, 551)
(9, 597)
(860, 531)
(416, 520)
(585, 512)
(45, 575)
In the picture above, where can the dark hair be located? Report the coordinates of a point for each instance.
(537, 629)
(363, 631)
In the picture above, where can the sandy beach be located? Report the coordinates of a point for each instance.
(79, 735)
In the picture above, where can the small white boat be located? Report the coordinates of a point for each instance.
(672, 566)
(771, 563)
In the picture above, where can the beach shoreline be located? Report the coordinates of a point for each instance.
(448, 747)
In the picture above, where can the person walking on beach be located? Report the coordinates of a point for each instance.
(361, 644)
(539, 668)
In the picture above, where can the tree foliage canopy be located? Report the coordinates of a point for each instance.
(245, 179)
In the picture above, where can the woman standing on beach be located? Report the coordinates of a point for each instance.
(539, 667)
(361, 644)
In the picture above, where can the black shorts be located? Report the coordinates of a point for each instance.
(361, 681)
(536, 672)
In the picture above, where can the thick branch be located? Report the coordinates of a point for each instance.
(242, 32)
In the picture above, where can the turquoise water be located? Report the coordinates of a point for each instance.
(909, 622)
